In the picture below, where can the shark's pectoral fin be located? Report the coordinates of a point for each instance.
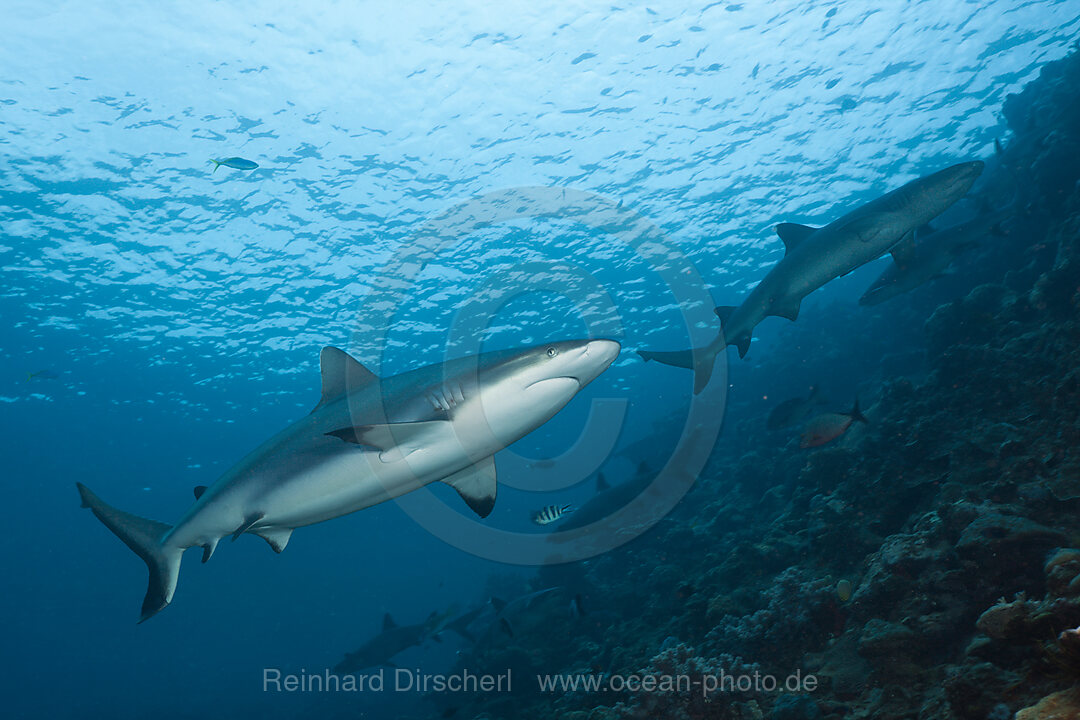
(394, 440)
(278, 538)
(477, 486)
(903, 252)
(246, 525)
(341, 374)
(793, 234)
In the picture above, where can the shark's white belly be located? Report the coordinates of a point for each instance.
(351, 478)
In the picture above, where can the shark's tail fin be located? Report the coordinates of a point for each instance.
(144, 537)
(856, 414)
(701, 361)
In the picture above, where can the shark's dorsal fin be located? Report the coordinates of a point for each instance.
(724, 313)
(394, 440)
(903, 252)
(498, 604)
(388, 622)
(199, 490)
(925, 230)
(340, 375)
(792, 234)
(601, 483)
(477, 486)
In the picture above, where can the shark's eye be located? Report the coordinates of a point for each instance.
(552, 352)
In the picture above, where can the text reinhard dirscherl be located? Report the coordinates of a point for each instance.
(409, 680)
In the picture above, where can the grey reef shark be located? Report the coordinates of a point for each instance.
(935, 251)
(815, 255)
(368, 440)
(392, 640)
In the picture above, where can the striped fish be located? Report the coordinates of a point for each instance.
(551, 513)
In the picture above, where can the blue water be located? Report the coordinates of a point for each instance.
(183, 310)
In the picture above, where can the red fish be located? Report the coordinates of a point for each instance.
(826, 428)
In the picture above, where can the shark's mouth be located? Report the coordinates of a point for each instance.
(556, 382)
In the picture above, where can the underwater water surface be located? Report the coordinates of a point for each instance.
(417, 182)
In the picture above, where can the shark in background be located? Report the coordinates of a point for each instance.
(368, 440)
(816, 255)
(932, 254)
(393, 639)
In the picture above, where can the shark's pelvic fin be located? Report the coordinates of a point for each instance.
(277, 537)
(793, 234)
(724, 313)
(903, 252)
(477, 486)
(246, 525)
(199, 490)
(144, 537)
(341, 374)
(393, 440)
(786, 308)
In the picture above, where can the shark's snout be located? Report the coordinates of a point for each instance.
(964, 175)
(598, 355)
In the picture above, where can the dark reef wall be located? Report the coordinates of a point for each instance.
(951, 515)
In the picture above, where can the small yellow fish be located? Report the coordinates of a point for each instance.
(551, 513)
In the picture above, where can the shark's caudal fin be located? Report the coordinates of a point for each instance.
(144, 537)
(701, 361)
(856, 414)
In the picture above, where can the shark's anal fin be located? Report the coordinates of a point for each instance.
(278, 538)
(341, 374)
(394, 440)
(246, 525)
(199, 490)
(208, 550)
(903, 252)
(793, 234)
(477, 486)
